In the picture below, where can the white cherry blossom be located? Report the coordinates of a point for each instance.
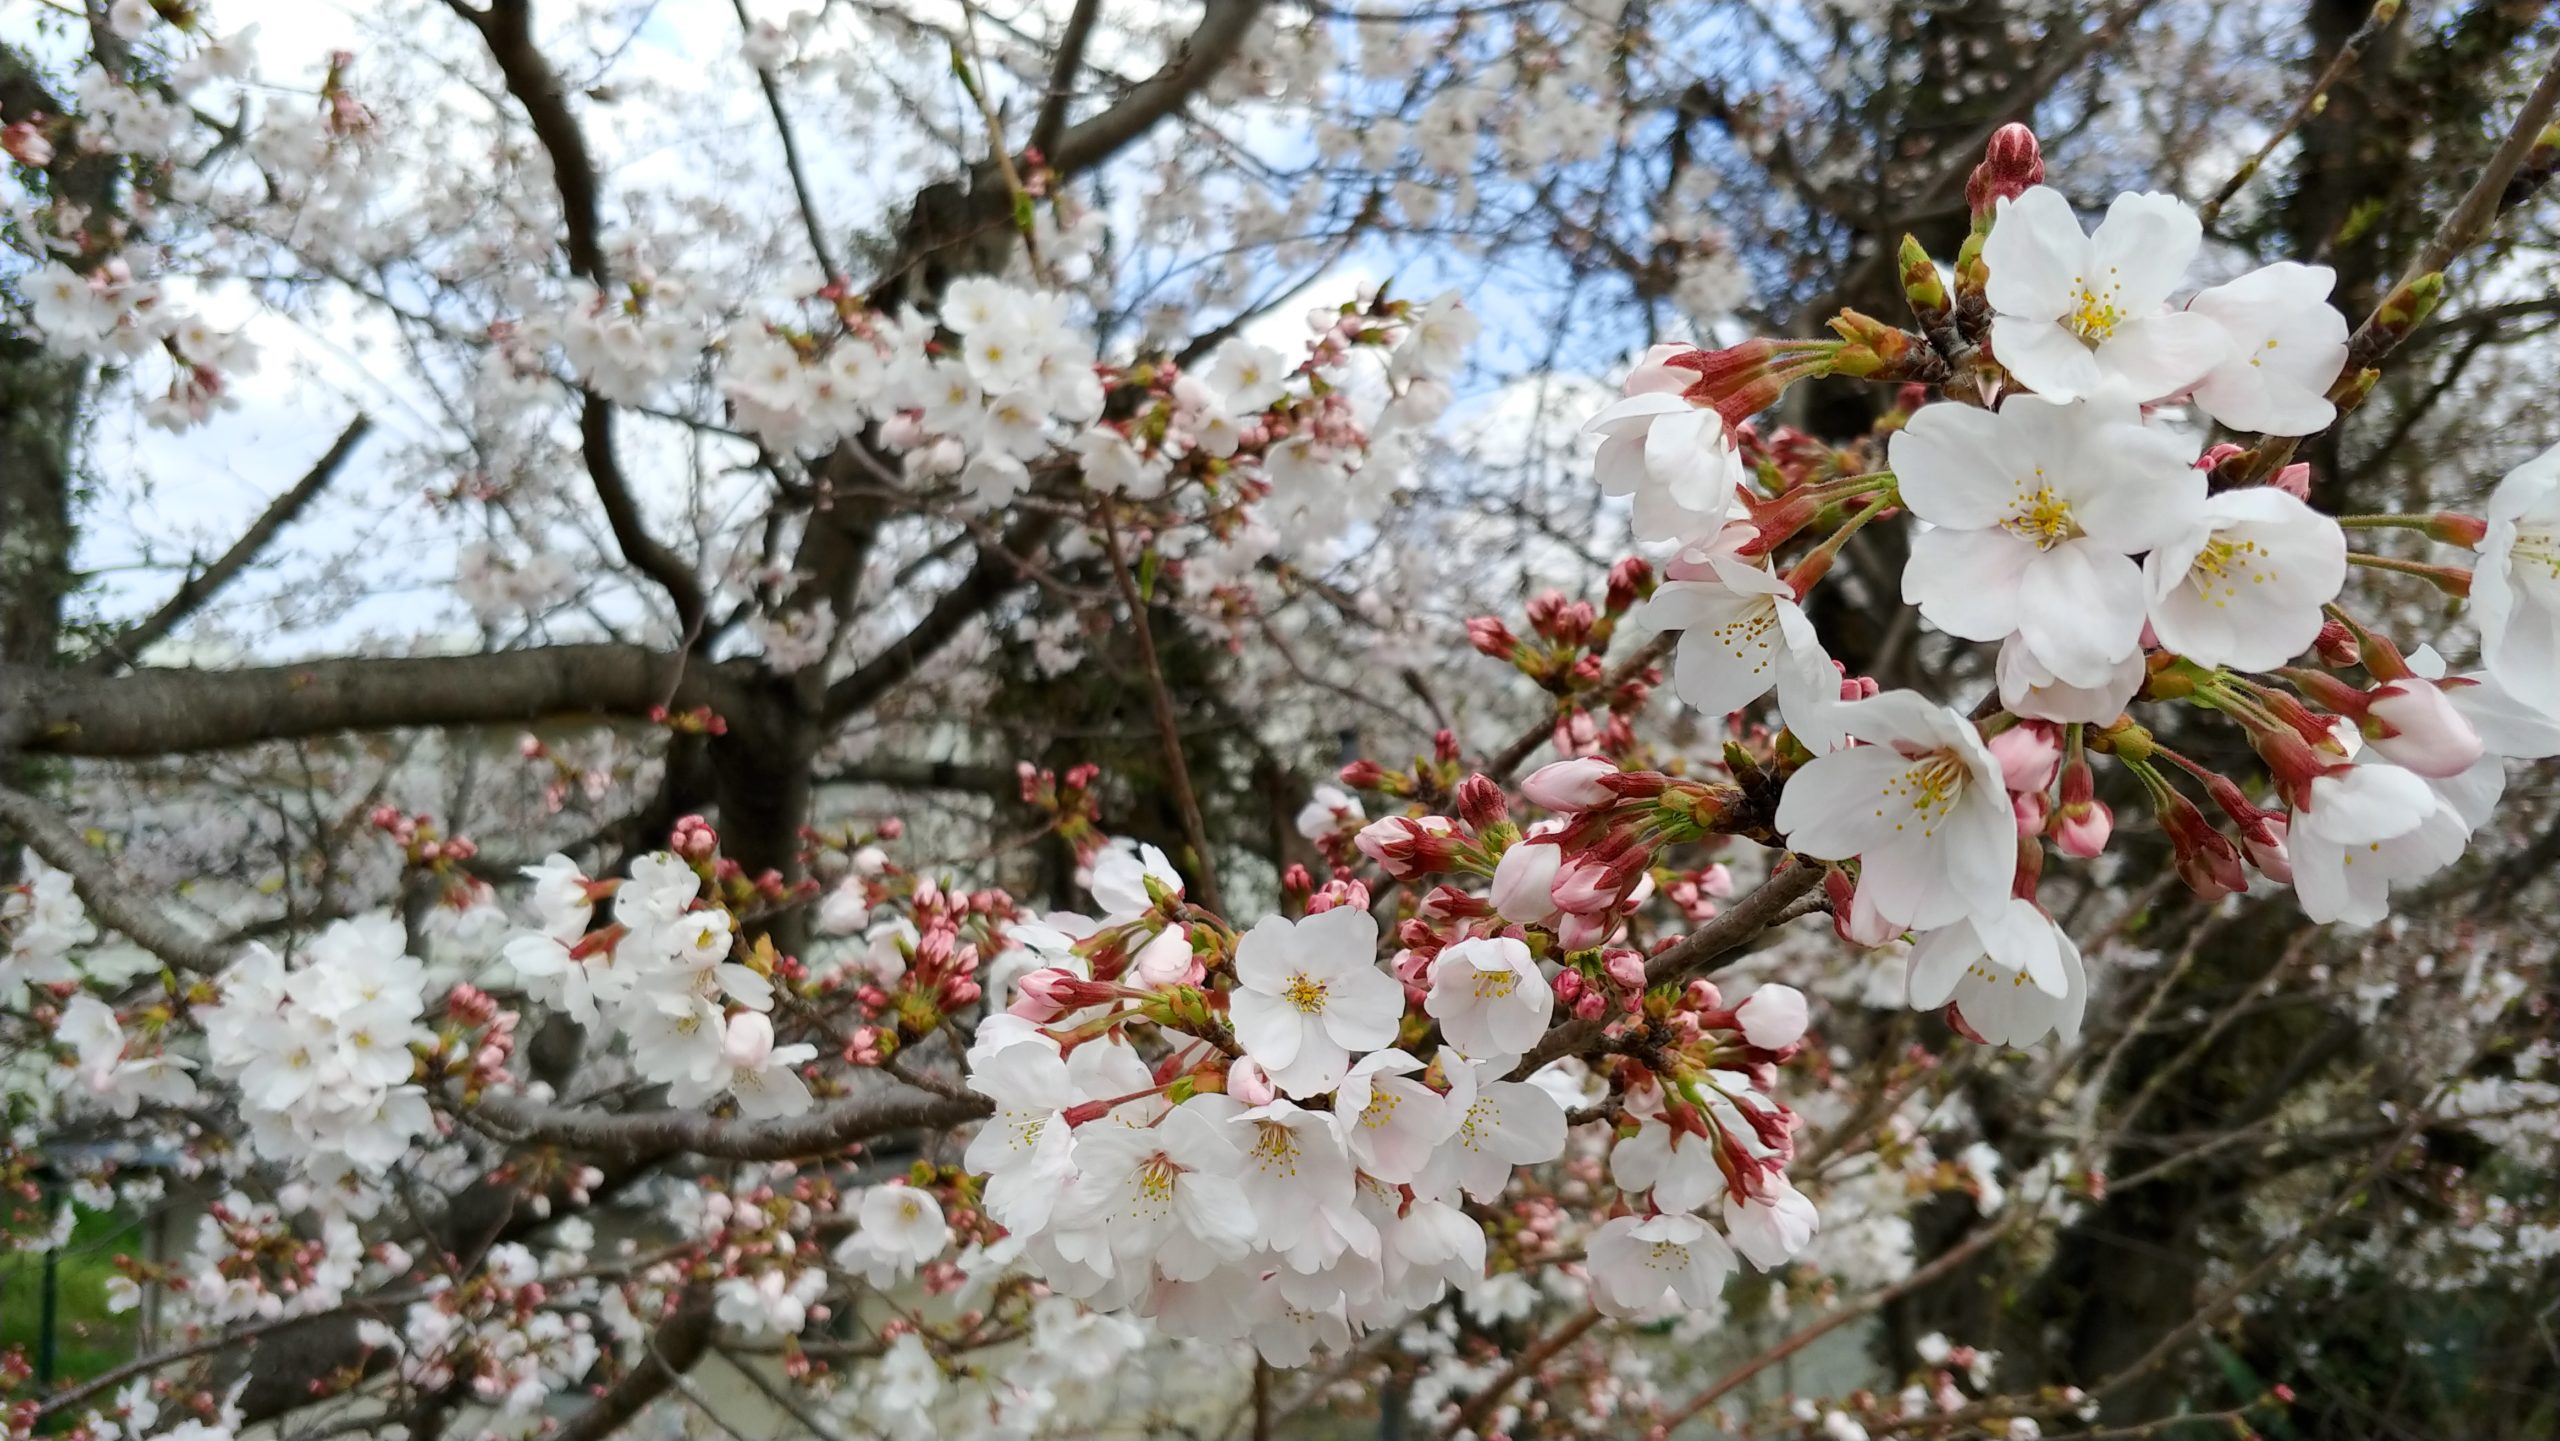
(1999, 1001)
(2515, 587)
(1642, 1266)
(1391, 1121)
(1309, 993)
(1921, 806)
(2243, 586)
(2036, 510)
(2076, 313)
(1489, 997)
(2284, 345)
(1164, 1196)
(1676, 461)
(1501, 1125)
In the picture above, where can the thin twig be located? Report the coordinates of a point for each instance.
(2375, 22)
(1168, 730)
(791, 161)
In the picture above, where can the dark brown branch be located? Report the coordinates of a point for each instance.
(1052, 120)
(1768, 904)
(1866, 1305)
(673, 1348)
(109, 896)
(1186, 801)
(622, 513)
(1000, 569)
(791, 161)
(953, 226)
(824, 1131)
(154, 712)
(204, 584)
(1528, 1363)
(507, 28)
(1198, 59)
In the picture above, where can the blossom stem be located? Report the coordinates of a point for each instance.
(1818, 560)
(2453, 580)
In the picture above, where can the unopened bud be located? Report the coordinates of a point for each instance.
(2414, 725)
(1480, 803)
(1574, 785)
(1630, 581)
(1923, 287)
(2011, 163)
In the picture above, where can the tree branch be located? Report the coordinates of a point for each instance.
(791, 160)
(825, 1131)
(1734, 927)
(107, 894)
(507, 28)
(153, 712)
(1000, 568)
(622, 513)
(203, 585)
(1052, 120)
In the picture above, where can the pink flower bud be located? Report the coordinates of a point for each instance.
(1590, 1006)
(2413, 725)
(1585, 886)
(2082, 831)
(1042, 996)
(2030, 754)
(1166, 961)
(26, 144)
(2029, 810)
(1249, 1083)
(1524, 882)
(1568, 984)
(1626, 968)
(1773, 1017)
(2294, 480)
(2011, 163)
(1581, 933)
(1716, 880)
(1570, 785)
(2268, 852)
(749, 1040)
(1630, 581)
(1480, 803)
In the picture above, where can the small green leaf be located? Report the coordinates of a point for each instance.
(1149, 563)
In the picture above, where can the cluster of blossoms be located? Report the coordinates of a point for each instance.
(325, 1053)
(2068, 518)
(671, 972)
(1004, 378)
(41, 922)
(515, 1332)
(1238, 1134)
(110, 313)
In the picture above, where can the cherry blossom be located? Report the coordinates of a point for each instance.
(1643, 1265)
(2283, 344)
(2037, 509)
(2080, 312)
(2244, 585)
(2515, 589)
(1920, 806)
(1309, 994)
(1489, 998)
